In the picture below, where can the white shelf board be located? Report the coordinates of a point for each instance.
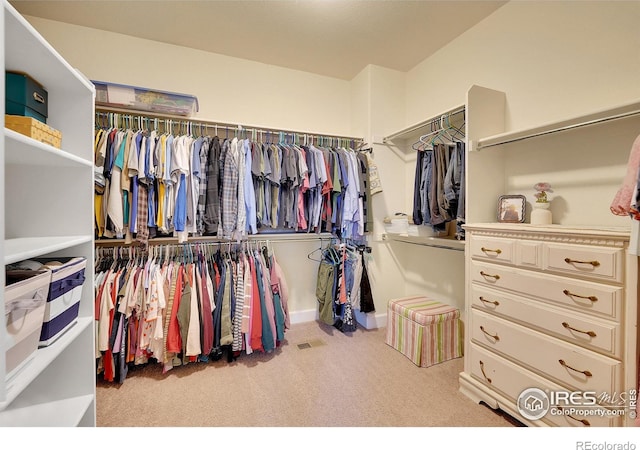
(617, 112)
(445, 243)
(60, 413)
(27, 51)
(414, 132)
(20, 249)
(42, 359)
(23, 150)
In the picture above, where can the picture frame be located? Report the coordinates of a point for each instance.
(511, 208)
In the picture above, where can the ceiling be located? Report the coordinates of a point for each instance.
(336, 38)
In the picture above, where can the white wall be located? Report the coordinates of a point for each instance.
(229, 89)
(385, 99)
(553, 59)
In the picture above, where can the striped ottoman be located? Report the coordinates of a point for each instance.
(425, 331)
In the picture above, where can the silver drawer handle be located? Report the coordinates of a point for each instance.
(584, 372)
(484, 374)
(493, 302)
(496, 337)
(490, 250)
(484, 274)
(569, 327)
(575, 261)
(568, 293)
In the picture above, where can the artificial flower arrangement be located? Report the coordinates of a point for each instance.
(541, 194)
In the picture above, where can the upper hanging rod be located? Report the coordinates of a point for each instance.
(275, 237)
(171, 120)
(424, 124)
(506, 140)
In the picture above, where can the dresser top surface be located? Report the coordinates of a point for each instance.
(575, 230)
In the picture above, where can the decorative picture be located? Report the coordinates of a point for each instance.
(511, 208)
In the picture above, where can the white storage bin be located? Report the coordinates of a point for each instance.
(399, 224)
(24, 303)
(63, 300)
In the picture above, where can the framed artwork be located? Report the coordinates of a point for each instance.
(511, 208)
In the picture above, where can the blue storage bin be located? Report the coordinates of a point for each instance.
(63, 300)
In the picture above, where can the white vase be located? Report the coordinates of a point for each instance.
(541, 214)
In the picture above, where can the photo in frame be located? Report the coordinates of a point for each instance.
(511, 208)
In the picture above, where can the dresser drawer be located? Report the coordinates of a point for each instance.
(597, 334)
(511, 380)
(493, 249)
(596, 263)
(570, 365)
(587, 297)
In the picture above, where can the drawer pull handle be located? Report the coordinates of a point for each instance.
(484, 274)
(493, 302)
(569, 327)
(484, 374)
(568, 293)
(585, 372)
(490, 250)
(584, 422)
(496, 337)
(571, 261)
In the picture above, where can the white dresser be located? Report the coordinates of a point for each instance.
(553, 308)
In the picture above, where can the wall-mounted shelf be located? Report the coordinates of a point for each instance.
(615, 113)
(412, 134)
(445, 243)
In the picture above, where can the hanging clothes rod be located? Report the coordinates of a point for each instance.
(508, 140)
(131, 116)
(427, 123)
(273, 237)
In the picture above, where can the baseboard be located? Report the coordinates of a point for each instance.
(366, 320)
(307, 315)
(371, 320)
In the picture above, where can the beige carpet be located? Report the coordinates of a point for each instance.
(340, 380)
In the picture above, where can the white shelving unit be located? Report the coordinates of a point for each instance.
(434, 266)
(47, 199)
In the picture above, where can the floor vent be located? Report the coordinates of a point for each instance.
(310, 344)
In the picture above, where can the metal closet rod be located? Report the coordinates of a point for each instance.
(273, 237)
(557, 130)
(103, 112)
(423, 124)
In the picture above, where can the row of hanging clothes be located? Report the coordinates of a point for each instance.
(342, 285)
(186, 303)
(439, 175)
(154, 182)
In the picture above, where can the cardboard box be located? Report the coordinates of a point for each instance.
(34, 129)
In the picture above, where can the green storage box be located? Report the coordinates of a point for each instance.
(25, 97)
